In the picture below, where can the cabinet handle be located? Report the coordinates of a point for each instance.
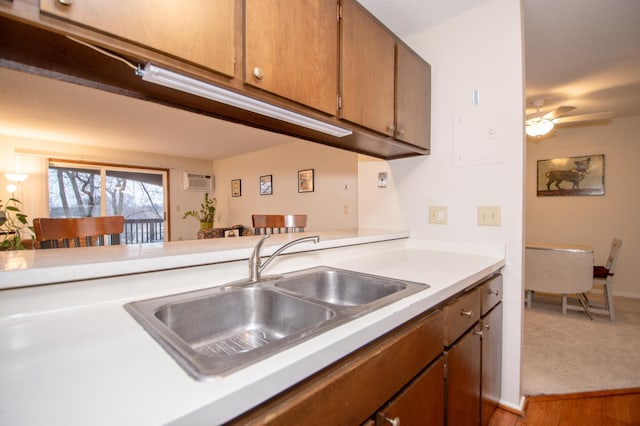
(391, 129)
(465, 313)
(494, 292)
(393, 422)
(486, 326)
(65, 2)
(477, 332)
(257, 72)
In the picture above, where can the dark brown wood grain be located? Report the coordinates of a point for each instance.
(77, 232)
(350, 391)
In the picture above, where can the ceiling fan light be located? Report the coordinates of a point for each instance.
(539, 127)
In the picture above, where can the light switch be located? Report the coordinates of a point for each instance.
(489, 216)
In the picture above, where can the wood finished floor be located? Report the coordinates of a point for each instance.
(606, 408)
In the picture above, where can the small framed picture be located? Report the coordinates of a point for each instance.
(305, 180)
(266, 185)
(236, 188)
(228, 233)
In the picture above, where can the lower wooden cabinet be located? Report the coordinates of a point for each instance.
(420, 403)
(352, 390)
(474, 361)
(463, 380)
(491, 325)
(442, 367)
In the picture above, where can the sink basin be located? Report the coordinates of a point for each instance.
(239, 320)
(215, 331)
(340, 287)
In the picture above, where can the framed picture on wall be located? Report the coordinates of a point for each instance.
(266, 185)
(305, 180)
(571, 176)
(236, 188)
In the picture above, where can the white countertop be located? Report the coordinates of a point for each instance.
(71, 354)
(36, 267)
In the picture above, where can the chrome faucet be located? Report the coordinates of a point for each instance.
(255, 262)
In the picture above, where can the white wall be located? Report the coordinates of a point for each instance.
(335, 170)
(469, 167)
(593, 220)
(34, 191)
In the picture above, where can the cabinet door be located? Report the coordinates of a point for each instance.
(413, 98)
(421, 402)
(367, 69)
(198, 31)
(491, 362)
(291, 50)
(463, 380)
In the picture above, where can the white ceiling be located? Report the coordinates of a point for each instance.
(584, 53)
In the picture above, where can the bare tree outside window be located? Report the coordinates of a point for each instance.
(136, 194)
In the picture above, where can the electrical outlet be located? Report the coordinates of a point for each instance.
(489, 216)
(438, 215)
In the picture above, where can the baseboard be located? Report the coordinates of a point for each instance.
(585, 395)
(517, 410)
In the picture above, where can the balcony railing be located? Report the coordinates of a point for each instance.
(140, 231)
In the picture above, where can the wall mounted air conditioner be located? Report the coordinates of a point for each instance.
(194, 181)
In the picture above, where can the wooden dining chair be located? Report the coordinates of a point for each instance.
(295, 222)
(278, 223)
(67, 232)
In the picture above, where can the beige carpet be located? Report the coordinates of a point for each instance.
(568, 354)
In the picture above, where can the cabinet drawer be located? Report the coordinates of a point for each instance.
(491, 292)
(421, 402)
(460, 315)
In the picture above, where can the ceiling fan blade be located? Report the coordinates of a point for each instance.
(559, 112)
(597, 116)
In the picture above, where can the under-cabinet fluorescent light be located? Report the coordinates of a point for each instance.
(173, 80)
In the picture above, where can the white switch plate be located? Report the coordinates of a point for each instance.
(489, 215)
(438, 215)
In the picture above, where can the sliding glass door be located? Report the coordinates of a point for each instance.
(140, 195)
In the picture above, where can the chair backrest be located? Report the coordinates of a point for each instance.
(278, 223)
(295, 222)
(616, 244)
(78, 231)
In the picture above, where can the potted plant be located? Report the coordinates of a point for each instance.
(13, 226)
(206, 213)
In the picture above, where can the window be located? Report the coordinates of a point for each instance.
(84, 190)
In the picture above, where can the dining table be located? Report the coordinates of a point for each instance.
(559, 268)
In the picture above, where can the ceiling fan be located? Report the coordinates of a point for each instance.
(539, 124)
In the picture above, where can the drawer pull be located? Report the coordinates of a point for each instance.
(392, 422)
(466, 313)
(494, 292)
(65, 2)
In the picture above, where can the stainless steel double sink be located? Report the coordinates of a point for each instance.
(216, 331)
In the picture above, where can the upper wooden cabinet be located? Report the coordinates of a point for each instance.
(384, 86)
(291, 50)
(413, 98)
(367, 70)
(200, 32)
